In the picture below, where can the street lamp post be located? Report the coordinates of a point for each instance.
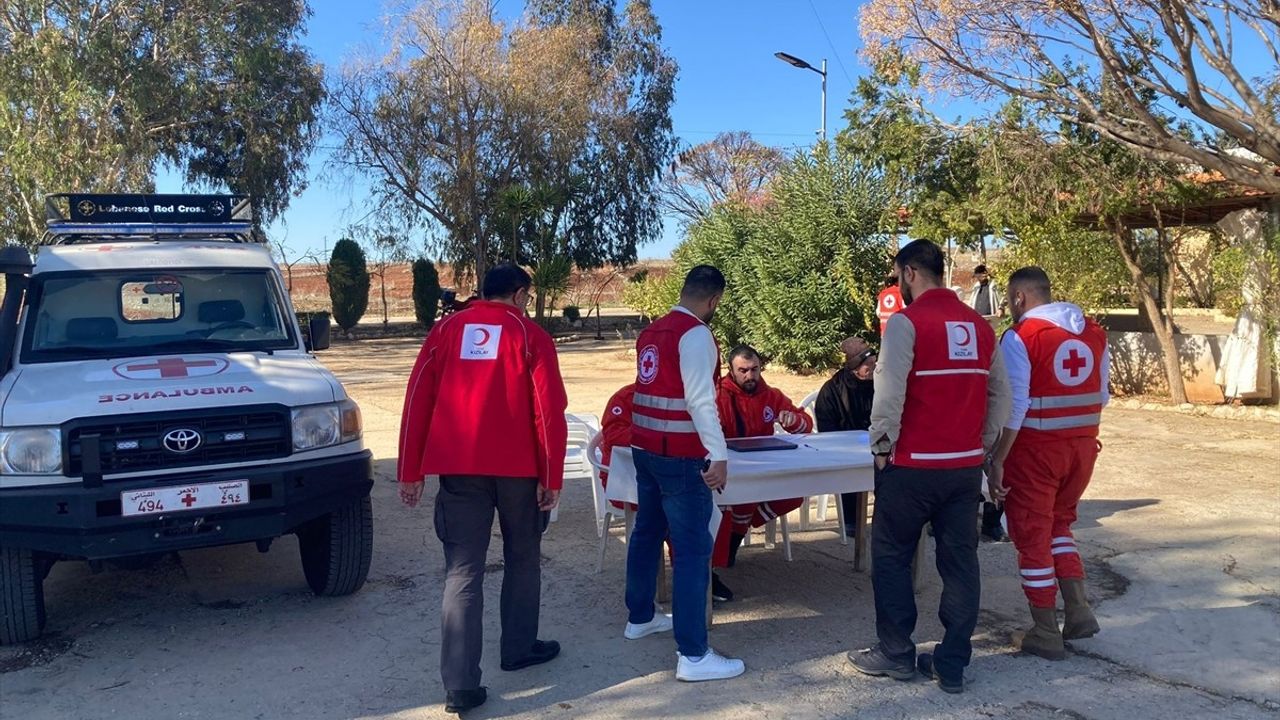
(794, 61)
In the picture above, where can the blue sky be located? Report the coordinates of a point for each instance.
(729, 80)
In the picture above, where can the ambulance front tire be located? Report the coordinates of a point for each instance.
(22, 614)
(337, 548)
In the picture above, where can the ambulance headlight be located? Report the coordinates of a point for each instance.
(320, 426)
(31, 451)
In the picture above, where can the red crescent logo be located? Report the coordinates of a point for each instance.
(964, 331)
(482, 336)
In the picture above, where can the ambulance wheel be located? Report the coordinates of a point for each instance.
(21, 596)
(337, 549)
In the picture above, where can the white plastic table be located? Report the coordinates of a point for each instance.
(824, 463)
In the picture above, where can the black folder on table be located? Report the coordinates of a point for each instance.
(759, 444)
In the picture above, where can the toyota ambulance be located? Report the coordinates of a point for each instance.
(157, 395)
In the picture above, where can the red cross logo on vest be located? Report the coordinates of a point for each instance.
(647, 364)
(170, 367)
(1073, 363)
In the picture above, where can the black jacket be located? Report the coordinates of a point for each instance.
(844, 403)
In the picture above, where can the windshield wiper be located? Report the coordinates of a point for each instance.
(206, 344)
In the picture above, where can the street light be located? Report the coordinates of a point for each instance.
(796, 62)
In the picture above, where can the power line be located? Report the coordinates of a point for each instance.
(830, 44)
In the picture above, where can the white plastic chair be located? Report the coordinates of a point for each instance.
(605, 512)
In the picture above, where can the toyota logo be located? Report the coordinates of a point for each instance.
(182, 440)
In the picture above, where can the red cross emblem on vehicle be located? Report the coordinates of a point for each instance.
(170, 367)
(188, 499)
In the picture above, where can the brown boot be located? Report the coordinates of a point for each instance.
(1043, 639)
(1080, 622)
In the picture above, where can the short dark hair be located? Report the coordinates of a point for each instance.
(923, 255)
(703, 282)
(1032, 279)
(980, 270)
(505, 280)
(746, 352)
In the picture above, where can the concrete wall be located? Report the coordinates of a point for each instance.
(1137, 367)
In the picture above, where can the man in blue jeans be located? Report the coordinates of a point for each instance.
(680, 458)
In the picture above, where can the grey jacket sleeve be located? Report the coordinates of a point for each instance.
(999, 401)
(897, 354)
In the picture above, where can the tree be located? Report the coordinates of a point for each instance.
(732, 167)
(466, 106)
(388, 250)
(95, 94)
(426, 292)
(348, 278)
(1166, 79)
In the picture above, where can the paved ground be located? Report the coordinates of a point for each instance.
(1181, 530)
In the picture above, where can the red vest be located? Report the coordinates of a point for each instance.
(946, 398)
(661, 423)
(888, 303)
(1066, 379)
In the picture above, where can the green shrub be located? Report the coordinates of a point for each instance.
(426, 292)
(348, 278)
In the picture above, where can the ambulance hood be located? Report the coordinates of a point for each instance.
(1065, 315)
(53, 393)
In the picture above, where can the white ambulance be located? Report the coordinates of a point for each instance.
(157, 394)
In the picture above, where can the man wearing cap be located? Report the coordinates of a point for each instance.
(985, 298)
(844, 403)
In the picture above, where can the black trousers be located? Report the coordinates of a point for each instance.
(464, 521)
(906, 499)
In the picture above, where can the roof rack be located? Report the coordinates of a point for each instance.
(91, 217)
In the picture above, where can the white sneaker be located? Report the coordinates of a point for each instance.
(659, 624)
(712, 666)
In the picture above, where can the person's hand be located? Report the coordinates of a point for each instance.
(716, 476)
(411, 492)
(547, 499)
(995, 481)
(786, 418)
(882, 461)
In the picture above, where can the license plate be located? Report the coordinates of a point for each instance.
(179, 498)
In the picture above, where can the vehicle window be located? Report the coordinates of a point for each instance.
(158, 299)
(103, 315)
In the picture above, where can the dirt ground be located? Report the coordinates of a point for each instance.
(1180, 529)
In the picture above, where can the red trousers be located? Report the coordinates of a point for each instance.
(1046, 479)
(739, 519)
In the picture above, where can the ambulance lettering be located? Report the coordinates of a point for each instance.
(180, 392)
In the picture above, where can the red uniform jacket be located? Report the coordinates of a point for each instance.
(661, 421)
(485, 398)
(946, 402)
(887, 303)
(1066, 379)
(615, 428)
(743, 415)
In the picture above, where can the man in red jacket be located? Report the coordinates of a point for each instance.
(1059, 372)
(941, 398)
(484, 410)
(615, 429)
(750, 408)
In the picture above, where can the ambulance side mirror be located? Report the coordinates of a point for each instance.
(15, 265)
(318, 332)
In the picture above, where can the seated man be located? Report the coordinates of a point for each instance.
(615, 429)
(749, 408)
(844, 403)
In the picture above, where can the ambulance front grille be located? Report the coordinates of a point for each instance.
(135, 443)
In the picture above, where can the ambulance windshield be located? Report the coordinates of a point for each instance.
(75, 315)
